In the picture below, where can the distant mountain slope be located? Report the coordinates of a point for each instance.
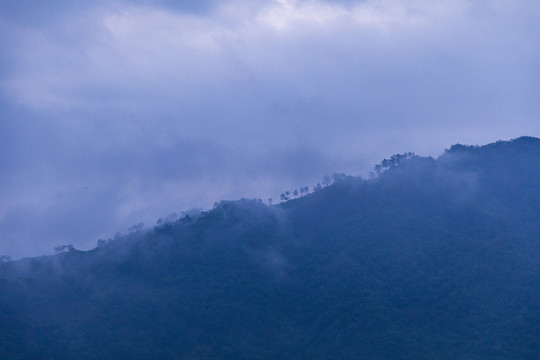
(431, 259)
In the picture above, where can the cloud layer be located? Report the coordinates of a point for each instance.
(115, 112)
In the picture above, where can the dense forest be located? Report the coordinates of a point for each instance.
(427, 259)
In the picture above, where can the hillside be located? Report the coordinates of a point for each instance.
(430, 259)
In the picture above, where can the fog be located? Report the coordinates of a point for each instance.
(119, 112)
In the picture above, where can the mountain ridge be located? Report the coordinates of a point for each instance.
(432, 258)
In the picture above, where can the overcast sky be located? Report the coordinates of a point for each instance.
(119, 112)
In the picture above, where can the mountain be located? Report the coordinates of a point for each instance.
(429, 259)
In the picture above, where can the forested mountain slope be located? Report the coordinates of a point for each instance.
(430, 259)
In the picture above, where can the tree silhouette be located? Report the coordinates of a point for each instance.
(62, 248)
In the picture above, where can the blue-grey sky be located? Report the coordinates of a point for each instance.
(119, 112)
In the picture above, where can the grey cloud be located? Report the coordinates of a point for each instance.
(115, 112)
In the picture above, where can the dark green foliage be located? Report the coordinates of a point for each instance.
(432, 259)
